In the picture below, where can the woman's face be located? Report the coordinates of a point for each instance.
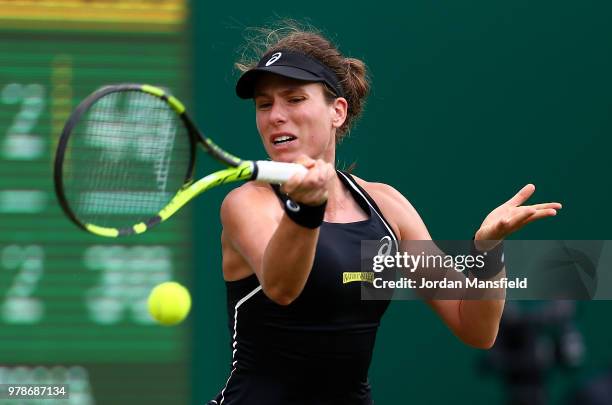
(294, 118)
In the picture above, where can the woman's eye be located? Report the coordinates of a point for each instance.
(263, 106)
(295, 100)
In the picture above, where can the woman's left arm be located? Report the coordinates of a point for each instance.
(482, 316)
(475, 322)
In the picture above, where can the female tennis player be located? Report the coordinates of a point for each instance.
(299, 334)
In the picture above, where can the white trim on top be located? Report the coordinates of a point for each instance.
(235, 341)
(384, 221)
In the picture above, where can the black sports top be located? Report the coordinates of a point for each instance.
(321, 343)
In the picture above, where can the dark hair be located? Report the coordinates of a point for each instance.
(297, 37)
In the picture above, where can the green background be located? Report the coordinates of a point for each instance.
(73, 305)
(471, 100)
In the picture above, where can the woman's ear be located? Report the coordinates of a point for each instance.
(340, 109)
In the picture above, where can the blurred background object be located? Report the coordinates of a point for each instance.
(72, 306)
(533, 341)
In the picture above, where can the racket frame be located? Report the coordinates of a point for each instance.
(238, 170)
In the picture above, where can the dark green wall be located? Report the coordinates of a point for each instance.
(471, 100)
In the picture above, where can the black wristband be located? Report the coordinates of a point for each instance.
(493, 261)
(308, 216)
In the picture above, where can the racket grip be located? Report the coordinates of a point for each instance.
(276, 172)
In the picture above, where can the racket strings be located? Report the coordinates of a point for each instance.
(127, 157)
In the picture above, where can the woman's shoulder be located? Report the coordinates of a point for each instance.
(250, 190)
(378, 190)
(396, 208)
(248, 198)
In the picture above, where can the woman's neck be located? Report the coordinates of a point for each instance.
(341, 206)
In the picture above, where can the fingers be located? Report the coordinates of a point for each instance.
(522, 196)
(522, 216)
(515, 219)
(311, 188)
(544, 213)
(551, 205)
(512, 215)
(305, 161)
(294, 181)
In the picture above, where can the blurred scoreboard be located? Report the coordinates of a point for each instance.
(72, 305)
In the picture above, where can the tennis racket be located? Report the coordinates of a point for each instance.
(126, 157)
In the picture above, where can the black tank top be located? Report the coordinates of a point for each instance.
(327, 334)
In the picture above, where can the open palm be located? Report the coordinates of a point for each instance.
(512, 216)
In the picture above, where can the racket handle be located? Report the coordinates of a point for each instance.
(276, 172)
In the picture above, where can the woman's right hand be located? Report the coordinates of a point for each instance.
(311, 188)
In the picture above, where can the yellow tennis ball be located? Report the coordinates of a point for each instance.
(169, 303)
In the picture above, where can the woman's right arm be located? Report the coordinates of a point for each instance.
(279, 251)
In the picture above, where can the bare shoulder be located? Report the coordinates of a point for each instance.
(397, 209)
(247, 192)
(249, 198)
(381, 191)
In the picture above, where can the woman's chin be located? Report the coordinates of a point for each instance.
(285, 157)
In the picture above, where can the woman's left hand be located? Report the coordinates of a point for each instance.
(512, 216)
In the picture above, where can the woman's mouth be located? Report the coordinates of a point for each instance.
(283, 139)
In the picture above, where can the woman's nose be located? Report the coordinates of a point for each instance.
(277, 114)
